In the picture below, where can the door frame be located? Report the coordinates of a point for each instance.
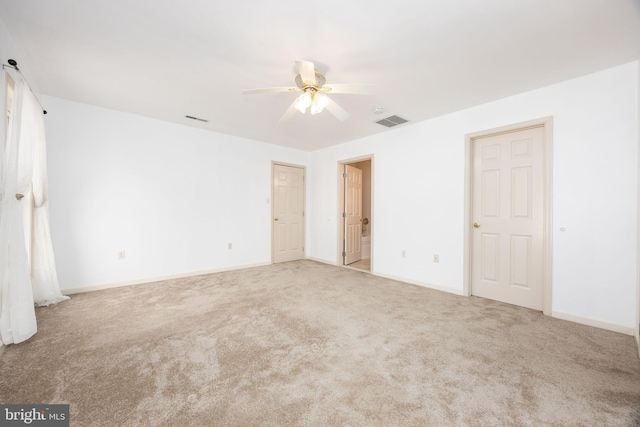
(340, 204)
(547, 175)
(304, 207)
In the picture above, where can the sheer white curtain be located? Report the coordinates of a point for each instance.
(46, 289)
(17, 314)
(23, 162)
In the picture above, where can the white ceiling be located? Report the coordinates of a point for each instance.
(167, 59)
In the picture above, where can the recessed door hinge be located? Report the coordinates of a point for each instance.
(344, 175)
(344, 214)
(344, 254)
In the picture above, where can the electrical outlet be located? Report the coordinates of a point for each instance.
(230, 245)
(436, 258)
(404, 253)
(121, 255)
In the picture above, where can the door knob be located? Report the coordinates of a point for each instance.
(275, 219)
(476, 224)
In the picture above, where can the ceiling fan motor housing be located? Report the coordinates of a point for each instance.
(320, 81)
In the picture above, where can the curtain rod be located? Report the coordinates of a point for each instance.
(13, 64)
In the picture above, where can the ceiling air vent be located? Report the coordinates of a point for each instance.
(392, 121)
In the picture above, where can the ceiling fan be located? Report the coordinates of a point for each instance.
(312, 85)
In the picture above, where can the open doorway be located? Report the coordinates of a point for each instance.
(355, 213)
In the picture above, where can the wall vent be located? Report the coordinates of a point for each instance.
(392, 121)
(197, 118)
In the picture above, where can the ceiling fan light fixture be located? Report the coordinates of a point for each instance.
(304, 101)
(319, 102)
(312, 84)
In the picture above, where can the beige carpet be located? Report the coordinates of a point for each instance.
(303, 343)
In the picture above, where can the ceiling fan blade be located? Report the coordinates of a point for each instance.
(337, 110)
(270, 90)
(291, 111)
(357, 89)
(307, 71)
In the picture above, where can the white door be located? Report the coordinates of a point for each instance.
(288, 213)
(353, 214)
(507, 233)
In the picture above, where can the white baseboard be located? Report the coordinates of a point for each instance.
(423, 284)
(396, 278)
(623, 329)
(637, 334)
(81, 289)
(324, 261)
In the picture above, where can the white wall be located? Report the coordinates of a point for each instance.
(637, 325)
(6, 48)
(7, 51)
(419, 193)
(172, 197)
